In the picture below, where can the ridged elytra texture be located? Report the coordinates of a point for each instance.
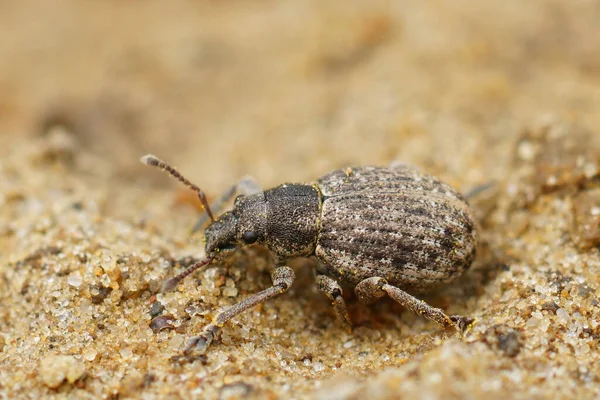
(398, 224)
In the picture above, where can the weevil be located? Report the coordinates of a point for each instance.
(384, 231)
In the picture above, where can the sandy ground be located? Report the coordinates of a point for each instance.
(475, 92)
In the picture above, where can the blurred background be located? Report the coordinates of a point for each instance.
(471, 91)
(290, 90)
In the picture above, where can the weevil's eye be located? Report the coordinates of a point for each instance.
(249, 237)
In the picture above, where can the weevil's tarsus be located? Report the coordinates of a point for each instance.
(154, 161)
(371, 289)
(283, 277)
(199, 344)
(245, 186)
(172, 283)
(333, 291)
(463, 324)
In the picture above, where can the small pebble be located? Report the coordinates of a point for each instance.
(162, 322)
(563, 316)
(54, 369)
(230, 291)
(234, 391)
(89, 354)
(550, 306)
(131, 384)
(156, 309)
(75, 279)
(126, 353)
(318, 366)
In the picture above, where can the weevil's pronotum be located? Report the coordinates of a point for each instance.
(384, 231)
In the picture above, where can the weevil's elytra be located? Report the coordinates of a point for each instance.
(385, 231)
(398, 224)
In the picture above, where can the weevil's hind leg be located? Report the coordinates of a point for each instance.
(246, 186)
(371, 289)
(333, 290)
(397, 164)
(283, 277)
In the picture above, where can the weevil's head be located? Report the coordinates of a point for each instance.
(244, 225)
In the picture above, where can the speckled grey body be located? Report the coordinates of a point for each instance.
(398, 224)
(385, 231)
(395, 223)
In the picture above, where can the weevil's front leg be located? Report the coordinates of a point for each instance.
(333, 290)
(371, 289)
(282, 278)
(246, 186)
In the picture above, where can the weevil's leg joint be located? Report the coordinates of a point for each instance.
(370, 289)
(333, 291)
(283, 277)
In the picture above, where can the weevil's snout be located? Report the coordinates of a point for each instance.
(221, 234)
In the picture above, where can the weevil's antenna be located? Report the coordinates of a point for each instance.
(170, 284)
(154, 161)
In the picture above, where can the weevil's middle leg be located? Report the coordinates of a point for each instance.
(282, 278)
(371, 289)
(476, 190)
(247, 185)
(333, 290)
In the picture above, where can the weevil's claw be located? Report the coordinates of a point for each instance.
(198, 345)
(463, 324)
